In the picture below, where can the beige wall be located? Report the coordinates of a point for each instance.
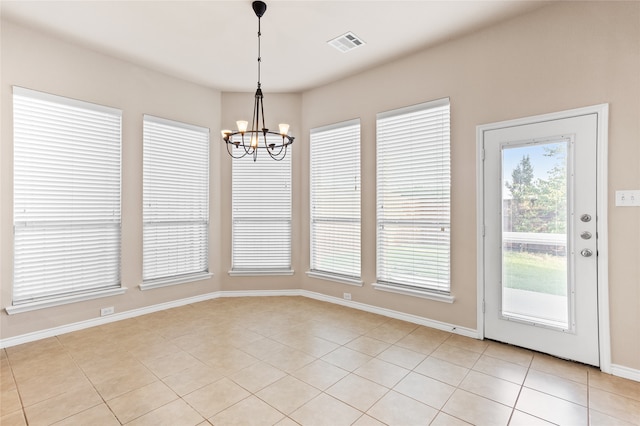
(38, 62)
(563, 56)
(560, 57)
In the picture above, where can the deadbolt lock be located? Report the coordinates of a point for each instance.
(586, 253)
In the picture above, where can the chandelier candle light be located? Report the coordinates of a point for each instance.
(258, 137)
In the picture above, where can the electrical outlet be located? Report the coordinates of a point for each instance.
(346, 296)
(107, 311)
(627, 198)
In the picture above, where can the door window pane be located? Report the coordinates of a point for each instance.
(535, 278)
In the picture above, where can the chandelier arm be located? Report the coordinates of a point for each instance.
(259, 128)
(264, 127)
(231, 153)
(272, 152)
(247, 149)
(277, 156)
(286, 140)
(254, 117)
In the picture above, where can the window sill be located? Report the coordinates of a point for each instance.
(49, 303)
(166, 282)
(259, 272)
(425, 294)
(336, 278)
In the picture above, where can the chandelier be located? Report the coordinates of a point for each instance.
(245, 142)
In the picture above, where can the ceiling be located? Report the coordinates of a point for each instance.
(214, 43)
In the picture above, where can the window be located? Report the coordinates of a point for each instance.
(66, 200)
(175, 202)
(261, 210)
(335, 200)
(413, 199)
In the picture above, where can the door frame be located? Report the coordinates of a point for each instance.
(602, 112)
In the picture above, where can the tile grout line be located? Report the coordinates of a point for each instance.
(588, 397)
(458, 385)
(15, 381)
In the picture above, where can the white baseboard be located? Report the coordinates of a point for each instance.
(468, 332)
(625, 372)
(81, 325)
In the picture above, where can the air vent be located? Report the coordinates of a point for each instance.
(346, 42)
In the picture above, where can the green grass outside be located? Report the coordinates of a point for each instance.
(541, 273)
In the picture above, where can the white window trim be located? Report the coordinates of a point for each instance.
(244, 218)
(170, 281)
(326, 274)
(335, 278)
(58, 301)
(428, 293)
(425, 294)
(65, 297)
(36, 94)
(259, 272)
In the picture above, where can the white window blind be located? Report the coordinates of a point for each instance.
(261, 206)
(335, 199)
(413, 197)
(66, 197)
(176, 200)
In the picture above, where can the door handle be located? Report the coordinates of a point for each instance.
(586, 253)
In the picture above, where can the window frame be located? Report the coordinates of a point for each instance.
(190, 256)
(253, 211)
(64, 126)
(336, 147)
(430, 214)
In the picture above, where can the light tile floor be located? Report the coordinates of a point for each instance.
(292, 360)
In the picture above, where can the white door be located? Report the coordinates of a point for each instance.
(541, 235)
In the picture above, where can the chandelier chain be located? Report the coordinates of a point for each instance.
(259, 55)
